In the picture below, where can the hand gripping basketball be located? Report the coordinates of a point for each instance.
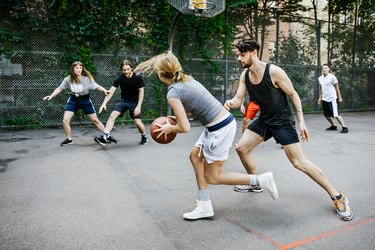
(162, 139)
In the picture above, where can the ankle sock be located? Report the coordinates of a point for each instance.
(254, 180)
(204, 195)
(337, 197)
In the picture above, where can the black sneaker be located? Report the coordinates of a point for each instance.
(332, 128)
(144, 140)
(110, 139)
(100, 140)
(344, 130)
(66, 142)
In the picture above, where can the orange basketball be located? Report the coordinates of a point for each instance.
(162, 139)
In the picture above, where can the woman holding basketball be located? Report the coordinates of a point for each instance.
(186, 95)
(79, 83)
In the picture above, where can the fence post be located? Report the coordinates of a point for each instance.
(318, 63)
(277, 35)
(353, 54)
(226, 60)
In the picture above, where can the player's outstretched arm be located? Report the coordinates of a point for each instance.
(237, 100)
(106, 99)
(141, 94)
(54, 93)
(100, 88)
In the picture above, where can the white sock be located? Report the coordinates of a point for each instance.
(254, 180)
(204, 195)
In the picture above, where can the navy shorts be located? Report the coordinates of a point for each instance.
(284, 134)
(122, 106)
(81, 102)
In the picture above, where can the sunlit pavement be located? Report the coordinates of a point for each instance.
(132, 196)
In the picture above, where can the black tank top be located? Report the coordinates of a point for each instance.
(273, 102)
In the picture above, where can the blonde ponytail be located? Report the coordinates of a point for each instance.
(166, 64)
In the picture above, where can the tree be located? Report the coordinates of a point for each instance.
(293, 55)
(83, 26)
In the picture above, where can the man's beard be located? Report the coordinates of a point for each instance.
(245, 65)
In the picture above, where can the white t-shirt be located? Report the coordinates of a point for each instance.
(328, 89)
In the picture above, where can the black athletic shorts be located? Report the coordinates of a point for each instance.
(284, 134)
(122, 106)
(330, 109)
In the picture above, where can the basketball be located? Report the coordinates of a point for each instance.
(162, 139)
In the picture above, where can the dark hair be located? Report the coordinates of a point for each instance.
(126, 62)
(326, 64)
(247, 45)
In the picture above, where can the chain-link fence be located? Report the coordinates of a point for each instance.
(35, 72)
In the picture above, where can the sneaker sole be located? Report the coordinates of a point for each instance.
(248, 190)
(66, 144)
(345, 218)
(109, 141)
(99, 142)
(198, 218)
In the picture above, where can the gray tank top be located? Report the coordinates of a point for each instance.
(196, 99)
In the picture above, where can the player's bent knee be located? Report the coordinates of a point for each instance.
(65, 121)
(138, 122)
(112, 116)
(300, 165)
(211, 179)
(194, 159)
(240, 149)
(96, 121)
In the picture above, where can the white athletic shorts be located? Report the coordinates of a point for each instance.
(215, 145)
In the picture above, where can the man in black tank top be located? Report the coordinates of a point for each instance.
(270, 87)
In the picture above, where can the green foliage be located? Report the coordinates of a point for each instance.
(85, 26)
(191, 31)
(159, 94)
(292, 52)
(200, 32)
(236, 4)
(23, 122)
(6, 41)
(342, 33)
(155, 17)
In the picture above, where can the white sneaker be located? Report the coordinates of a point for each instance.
(203, 210)
(267, 182)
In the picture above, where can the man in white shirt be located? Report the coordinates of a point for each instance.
(330, 95)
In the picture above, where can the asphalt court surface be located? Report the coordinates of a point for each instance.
(129, 196)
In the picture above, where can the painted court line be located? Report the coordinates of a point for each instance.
(306, 240)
